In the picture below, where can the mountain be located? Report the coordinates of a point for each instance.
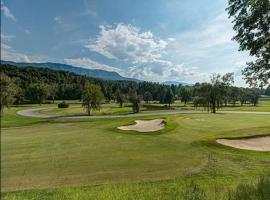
(96, 73)
(176, 83)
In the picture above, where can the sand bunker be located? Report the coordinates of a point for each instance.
(256, 143)
(145, 125)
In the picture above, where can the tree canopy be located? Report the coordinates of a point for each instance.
(8, 91)
(251, 20)
(91, 97)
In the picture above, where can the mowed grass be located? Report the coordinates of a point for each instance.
(11, 119)
(263, 106)
(113, 108)
(71, 154)
(77, 109)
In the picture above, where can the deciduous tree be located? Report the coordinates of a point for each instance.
(38, 92)
(251, 20)
(91, 97)
(135, 99)
(147, 97)
(8, 91)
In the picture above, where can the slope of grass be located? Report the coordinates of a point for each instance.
(78, 156)
(88, 152)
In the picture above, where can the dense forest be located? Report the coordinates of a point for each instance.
(38, 84)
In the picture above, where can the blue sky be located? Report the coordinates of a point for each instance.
(154, 40)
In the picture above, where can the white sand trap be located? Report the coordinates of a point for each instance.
(256, 143)
(145, 125)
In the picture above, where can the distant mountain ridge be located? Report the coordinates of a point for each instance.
(176, 83)
(95, 73)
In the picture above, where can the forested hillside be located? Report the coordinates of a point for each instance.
(36, 83)
(67, 85)
(95, 73)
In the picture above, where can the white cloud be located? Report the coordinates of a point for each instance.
(9, 54)
(7, 13)
(58, 19)
(163, 70)
(171, 39)
(6, 37)
(144, 51)
(127, 43)
(90, 64)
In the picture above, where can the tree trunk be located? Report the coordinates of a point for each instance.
(88, 110)
(1, 110)
(214, 107)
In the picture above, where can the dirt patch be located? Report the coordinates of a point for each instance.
(145, 125)
(255, 143)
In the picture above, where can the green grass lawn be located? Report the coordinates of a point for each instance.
(79, 156)
(11, 119)
(113, 108)
(77, 109)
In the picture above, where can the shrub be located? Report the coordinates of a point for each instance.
(63, 105)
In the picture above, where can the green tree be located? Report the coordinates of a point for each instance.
(120, 97)
(185, 94)
(233, 94)
(254, 96)
(251, 22)
(108, 93)
(19, 96)
(169, 97)
(53, 91)
(135, 99)
(267, 91)
(38, 92)
(91, 97)
(8, 91)
(214, 93)
(147, 97)
(243, 95)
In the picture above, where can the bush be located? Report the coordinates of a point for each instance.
(63, 105)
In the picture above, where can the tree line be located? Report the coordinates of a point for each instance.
(35, 85)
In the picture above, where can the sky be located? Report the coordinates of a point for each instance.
(152, 40)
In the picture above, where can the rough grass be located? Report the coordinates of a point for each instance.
(177, 189)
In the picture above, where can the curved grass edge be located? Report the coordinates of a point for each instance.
(212, 143)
